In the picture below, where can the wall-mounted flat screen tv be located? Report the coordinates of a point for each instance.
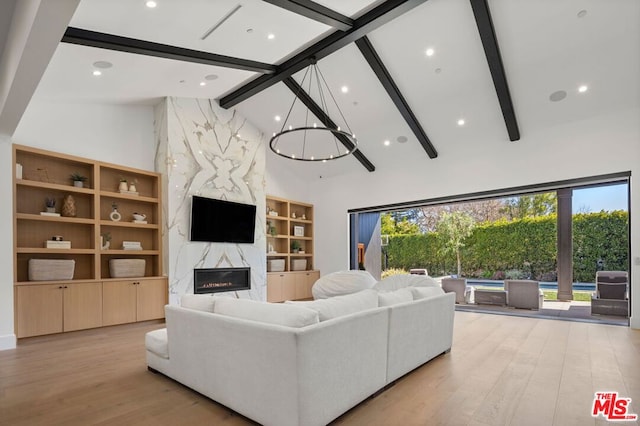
(220, 221)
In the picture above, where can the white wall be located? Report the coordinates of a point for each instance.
(600, 145)
(281, 182)
(113, 133)
(7, 337)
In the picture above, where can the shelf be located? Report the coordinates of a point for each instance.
(142, 198)
(269, 217)
(296, 220)
(65, 219)
(301, 255)
(26, 283)
(54, 186)
(35, 250)
(277, 254)
(278, 236)
(121, 252)
(129, 224)
(293, 237)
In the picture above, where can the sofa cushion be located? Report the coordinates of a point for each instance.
(389, 298)
(342, 282)
(395, 282)
(271, 313)
(156, 342)
(199, 302)
(342, 305)
(424, 292)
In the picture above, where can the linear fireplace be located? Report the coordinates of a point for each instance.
(214, 280)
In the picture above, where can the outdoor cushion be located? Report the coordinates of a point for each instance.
(271, 313)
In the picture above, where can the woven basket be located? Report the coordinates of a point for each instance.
(126, 268)
(51, 269)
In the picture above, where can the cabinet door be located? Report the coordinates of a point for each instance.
(304, 282)
(38, 309)
(118, 302)
(151, 298)
(289, 287)
(82, 306)
(274, 287)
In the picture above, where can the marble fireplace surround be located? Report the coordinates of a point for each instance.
(202, 149)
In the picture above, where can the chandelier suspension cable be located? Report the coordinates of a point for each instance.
(315, 143)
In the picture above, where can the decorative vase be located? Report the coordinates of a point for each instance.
(132, 188)
(123, 186)
(69, 206)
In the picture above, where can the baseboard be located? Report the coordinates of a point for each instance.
(7, 341)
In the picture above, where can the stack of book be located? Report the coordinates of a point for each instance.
(50, 244)
(131, 245)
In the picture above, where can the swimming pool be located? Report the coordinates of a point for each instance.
(543, 285)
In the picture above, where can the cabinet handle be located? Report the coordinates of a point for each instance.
(66, 286)
(60, 287)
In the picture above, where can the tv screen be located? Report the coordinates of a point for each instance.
(222, 221)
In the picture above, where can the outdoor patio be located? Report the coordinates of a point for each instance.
(551, 309)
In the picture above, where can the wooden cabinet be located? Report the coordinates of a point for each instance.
(54, 308)
(283, 286)
(133, 300)
(290, 232)
(290, 239)
(47, 204)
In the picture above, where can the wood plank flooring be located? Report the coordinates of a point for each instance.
(501, 371)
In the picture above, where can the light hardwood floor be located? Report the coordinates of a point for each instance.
(501, 371)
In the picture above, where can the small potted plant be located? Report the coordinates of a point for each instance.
(295, 246)
(272, 229)
(50, 204)
(78, 179)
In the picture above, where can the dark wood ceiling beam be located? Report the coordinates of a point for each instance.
(315, 11)
(492, 51)
(368, 22)
(327, 121)
(142, 47)
(376, 64)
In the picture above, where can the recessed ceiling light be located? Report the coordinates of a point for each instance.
(211, 77)
(461, 122)
(583, 88)
(277, 118)
(582, 13)
(97, 72)
(151, 4)
(344, 89)
(249, 30)
(102, 64)
(271, 36)
(430, 51)
(557, 96)
(202, 83)
(401, 139)
(387, 143)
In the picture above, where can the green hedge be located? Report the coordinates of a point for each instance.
(521, 248)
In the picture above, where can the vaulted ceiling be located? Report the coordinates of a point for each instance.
(505, 67)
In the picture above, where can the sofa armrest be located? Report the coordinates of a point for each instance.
(419, 331)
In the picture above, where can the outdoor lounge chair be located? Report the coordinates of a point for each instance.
(464, 293)
(523, 294)
(611, 296)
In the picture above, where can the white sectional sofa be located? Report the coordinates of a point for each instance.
(304, 363)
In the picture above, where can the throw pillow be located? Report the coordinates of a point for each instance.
(424, 292)
(199, 302)
(271, 313)
(342, 282)
(395, 282)
(394, 297)
(342, 305)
